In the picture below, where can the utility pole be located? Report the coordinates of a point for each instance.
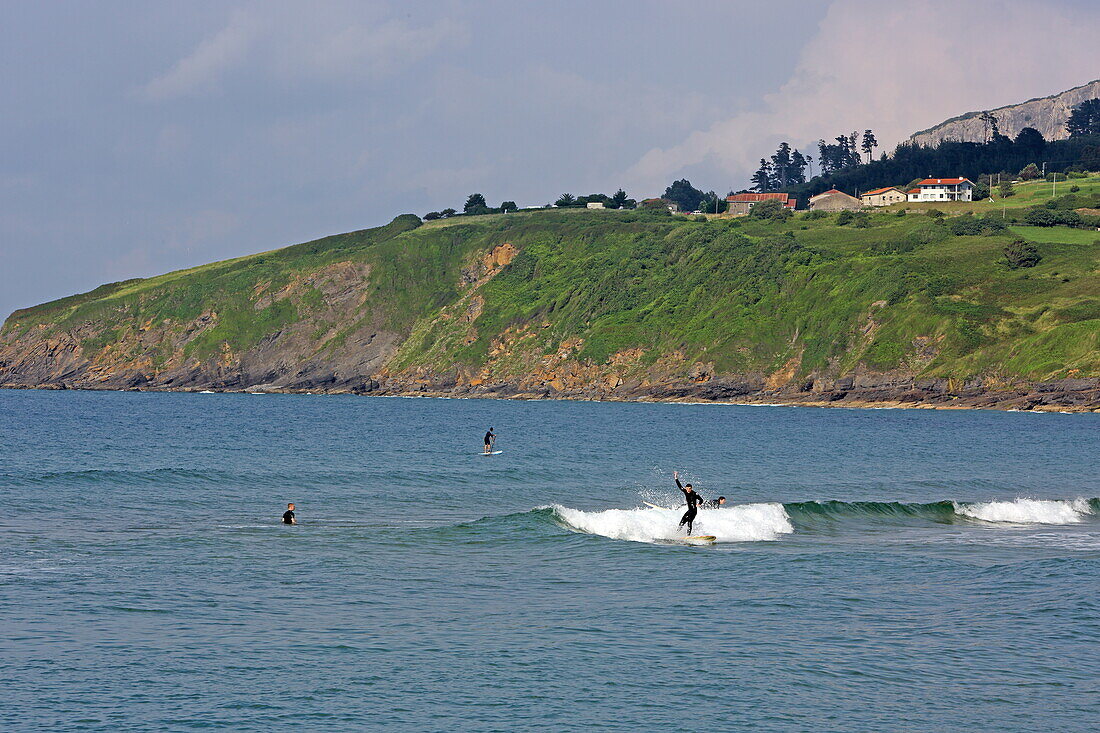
(1054, 186)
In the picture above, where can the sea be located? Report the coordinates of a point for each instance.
(873, 570)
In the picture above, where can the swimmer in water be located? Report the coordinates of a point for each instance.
(288, 515)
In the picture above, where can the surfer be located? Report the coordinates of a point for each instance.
(288, 515)
(490, 439)
(713, 503)
(693, 502)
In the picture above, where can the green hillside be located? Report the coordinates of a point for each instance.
(577, 294)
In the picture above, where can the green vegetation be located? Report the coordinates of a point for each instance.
(932, 296)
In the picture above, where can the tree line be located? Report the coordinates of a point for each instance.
(476, 204)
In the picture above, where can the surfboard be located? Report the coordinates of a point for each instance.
(493, 453)
(701, 538)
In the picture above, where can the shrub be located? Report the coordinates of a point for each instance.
(701, 218)
(769, 210)
(845, 217)
(814, 215)
(935, 213)
(899, 212)
(1006, 189)
(965, 226)
(1022, 253)
(1074, 188)
(862, 220)
(993, 225)
(1040, 216)
(432, 216)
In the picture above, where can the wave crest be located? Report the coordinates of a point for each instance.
(1028, 511)
(743, 523)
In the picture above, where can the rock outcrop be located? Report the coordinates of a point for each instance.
(1048, 115)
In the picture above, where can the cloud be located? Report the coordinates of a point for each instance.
(284, 45)
(895, 69)
(201, 69)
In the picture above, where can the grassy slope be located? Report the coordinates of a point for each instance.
(747, 296)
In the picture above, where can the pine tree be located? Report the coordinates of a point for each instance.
(869, 144)
(1084, 119)
(762, 179)
(781, 164)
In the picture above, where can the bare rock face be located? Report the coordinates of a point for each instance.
(1048, 115)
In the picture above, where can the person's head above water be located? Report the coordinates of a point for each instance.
(721, 500)
(290, 506)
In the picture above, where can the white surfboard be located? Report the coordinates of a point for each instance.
(491, 453)
(654, 506)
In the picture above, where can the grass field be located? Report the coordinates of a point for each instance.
(744, 295)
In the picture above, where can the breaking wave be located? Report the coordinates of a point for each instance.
(1030, 511)
(770, 521)
(745, 523)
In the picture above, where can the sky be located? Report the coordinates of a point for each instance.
(145, 136)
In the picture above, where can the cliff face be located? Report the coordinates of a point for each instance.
(596, 305)
(1048, 115)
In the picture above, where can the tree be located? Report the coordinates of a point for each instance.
(712, 203)
(1006, 189)
(869, 144)
(1084, 119)
(781, 164)
(566, 199)
(798, 167)
(1030, 142)
(1030, 172)
(989, 122)
(762, 179)
(686, 196)
(432, 216)
(447, 213)
(508, 206)
(619, 199)
(475, 203)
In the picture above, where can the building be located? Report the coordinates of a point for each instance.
(834, 200)
(657, 203)
(884, 196)
(913, 194)
(944, 189)
(595, 205)
(740, 204)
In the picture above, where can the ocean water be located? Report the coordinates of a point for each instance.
(877, 569)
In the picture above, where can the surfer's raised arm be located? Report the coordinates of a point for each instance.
(676, 478)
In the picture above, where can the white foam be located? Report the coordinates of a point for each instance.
(743, 523)
(1027, 511)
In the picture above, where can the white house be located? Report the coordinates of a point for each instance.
(943, 189)
(595, 205)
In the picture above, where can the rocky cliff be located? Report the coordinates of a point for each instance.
(596, 305)
(1048, 115)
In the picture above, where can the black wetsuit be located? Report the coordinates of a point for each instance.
(710, 504)
(288, 517)
(693, 502)
(489, 437)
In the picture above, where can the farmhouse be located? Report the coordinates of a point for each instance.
(834, 200)
(883, 196)
(944, 189)
(740, 204)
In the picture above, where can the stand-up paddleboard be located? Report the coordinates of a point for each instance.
(491, 453)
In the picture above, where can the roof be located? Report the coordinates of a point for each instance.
(882, 190)
(913, 190)
(831, 191)
(944, 181)
(742, 198)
